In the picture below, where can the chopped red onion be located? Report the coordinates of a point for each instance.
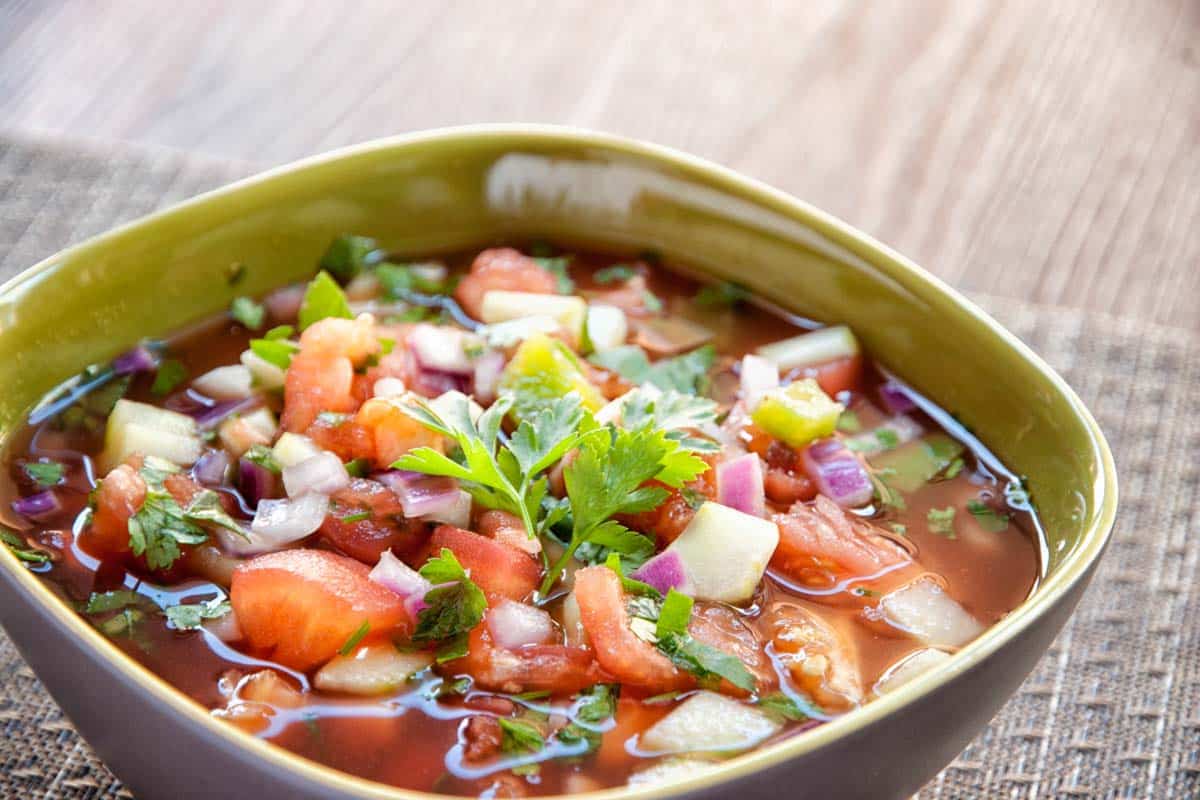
(838, 473)
(488, 368)
(421, 495)
(664, 572)
(740, 484)
(758, 377)
(284, 304)
(440, 348)
(211, 468)
(255, 482)
(38, 506)
(280, 522)
(209, 417)
(394, 574)
(323, 473)
(514, 625)
(458, 514)
(895, 397)
(139, 359)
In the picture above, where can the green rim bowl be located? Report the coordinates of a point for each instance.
(465, 187)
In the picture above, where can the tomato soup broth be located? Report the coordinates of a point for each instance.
(680, 506)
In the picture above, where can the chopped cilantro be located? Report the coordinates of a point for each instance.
(592, 707)
(674, 615)
(358, 516)
(686, 374)
(615, 273)
(673, 413)
(705, 662)
(264, 457)
(941, 521)
(720, 295)
(347, 256)
(358, 467)
(885, 494)
(159, 527)
(45, 473)
(356, 637)
(171, 373)
(989, 518)
(661, 699)
(399, 282)
(897, 528)
(887, 438)
(323, 298)
(115, 600)
(455, 607)
(247, 312)
(447, 688)
(956, 466)
(275, 351)
(21, 549)
(519, 737)
(796, 709)
(190, 616)
(693, 498)
(616, 562)
(558, 268)
(279, 333)
(848, 422)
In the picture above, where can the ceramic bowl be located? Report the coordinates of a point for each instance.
(467, 187)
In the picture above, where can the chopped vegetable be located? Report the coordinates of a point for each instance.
(454, 606)
(720, 296)
(370, 670)
(725, 552)
(838, 473)
(247, 312)
(21, 549)
(606, 327)
(190, 616)
(171, 373)
(941, 521)
(542, 371)
(709, 722)
(687, 373)
(924, 610)
(810, 349)
(323, 298)
(988, 518)
(348, 256)
(912, 465)
(44, 473)
(568, 311)
(740, 485)
(798, 413)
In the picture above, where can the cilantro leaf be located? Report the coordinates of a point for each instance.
(705, 662)
(613, 274)
(988, 518)
(720, 295)
(159, 527)
(247, 312)
(848, 422)
(323, 298)
(190, 616)
(399, 282)
(519, 737)
(264, 457)
(796, 709)
(115, 600)
(45, 473)
(941, 521)
(205, 506)
(21, 549)
(454, 606)
(171, 373)
(275, 351)
(591, 708)
(686, 373)
(558, 268)
(348, 647)
(347, 256)
(674, 615)
(673, 413)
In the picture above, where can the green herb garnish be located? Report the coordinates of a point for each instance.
(45, 473)
(264, 457)
(347, 256)
(356, 637)
(358, 516)
(848, 422)
(721, 295)
(988, 518)
(190, 616)
(454, 608)
(115, 600)
(796, 709)
(686, 374)
(615, 273)
(21, 549)
(941, 521)
(171, 373)
(322, 299)
(558, 268)
(704, 661)
(247, 312)
(519, 737)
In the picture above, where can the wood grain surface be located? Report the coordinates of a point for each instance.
(1046, 151)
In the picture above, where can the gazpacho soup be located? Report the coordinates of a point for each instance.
(516, 522)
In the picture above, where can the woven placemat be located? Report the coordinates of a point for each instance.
(1113, 710)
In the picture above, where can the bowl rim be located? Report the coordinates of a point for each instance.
(1050, 590)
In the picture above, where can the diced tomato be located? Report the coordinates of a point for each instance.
(821, 546)
(118, 498)
(666, 521)
(632, 717)
(299, 607)
(508, 529)
(182, 488)
(533, 668)
(393, 432)
(499, 570)
(785, 481)
(833, 376)
(385, 527)
(630, 296)
(316, 382)
(344, 437)
(502, 268)
(618, 649)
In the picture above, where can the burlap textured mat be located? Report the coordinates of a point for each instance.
(1113, 710)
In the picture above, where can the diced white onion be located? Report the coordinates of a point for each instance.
(292, 448)
(759, 376)
(458, 514)
(514, 331)
(280, 522)
(265, 374)
(514, 625)
(441, 348)
(363, 286)
(263, 421)
(924, 610)
(607, 327)
(810, 349)
(389, 387)
(225, 383)
(444, 402)
(321, 474)
(393, 574)
(709, 722)
(501, 306)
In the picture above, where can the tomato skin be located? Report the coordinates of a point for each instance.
(502, 268)
(552, 668)
(385, 529)
(841, 374)
(299, 607)
(119, 497)
(392, 433)
(618, 649)
(499, 570)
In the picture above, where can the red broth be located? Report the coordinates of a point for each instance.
(969, 524)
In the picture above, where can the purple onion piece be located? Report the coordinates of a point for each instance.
(139, 359)
(38, 506)
(740, 485)
(896, 397)
(211, 468)
(256, 482)
(838, 473)
(664, 572)
(420, 494)
(209, 418)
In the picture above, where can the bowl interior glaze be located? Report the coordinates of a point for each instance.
(450, 190)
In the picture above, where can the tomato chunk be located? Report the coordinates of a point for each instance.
(499, 570)
(532, 668)
(383, 528)
(299, 607)
(618, 649)
(118, 498)
(505, 269)
(392, 432)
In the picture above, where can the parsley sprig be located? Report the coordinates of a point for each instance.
(454, 607)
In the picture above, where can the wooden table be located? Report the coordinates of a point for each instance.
(1048, 151)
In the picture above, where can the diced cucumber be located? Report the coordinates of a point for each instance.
(798, 413)
(607, 327)
(266, 375)
(292, 448)
(725, 552)
(911, 666)
(810, 349)
(543, 370)
(708, 722)
(568, 310)
(515, 331)
(923, 610)
(141, 428)
(372, 670)
(910, 466)
(262, 421)
(127, 411)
